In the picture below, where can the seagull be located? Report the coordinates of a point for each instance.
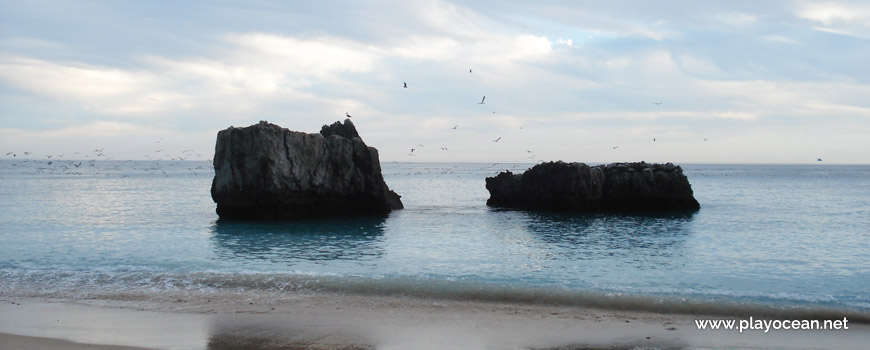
(11, 152)
(454, 127)
(614, 147)
(26, 153)
(658, 103)
(413, 149)
(496, 140)
(654, 140)
(820, 159)
(469, 70)
(347, 114)
(529, 151)
(481, 100)
(443, 148)
(406, 84)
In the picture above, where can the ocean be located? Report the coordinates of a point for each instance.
(767, 237)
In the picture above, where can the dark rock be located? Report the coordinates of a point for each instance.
(265, 171)
(604, 188)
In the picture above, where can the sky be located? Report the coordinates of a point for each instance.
(581, 81)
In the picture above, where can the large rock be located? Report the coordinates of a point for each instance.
(603, 188)
(265, 171)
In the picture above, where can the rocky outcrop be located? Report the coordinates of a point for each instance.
(603, 188)
(265, 171)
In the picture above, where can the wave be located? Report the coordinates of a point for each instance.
(124, 282)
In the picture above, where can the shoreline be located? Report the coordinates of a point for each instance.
(335, 321)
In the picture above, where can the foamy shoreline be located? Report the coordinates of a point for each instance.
(335, 321)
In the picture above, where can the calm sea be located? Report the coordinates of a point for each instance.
(784, 236)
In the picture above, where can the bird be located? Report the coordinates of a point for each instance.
(443, 148)
(420, 145)
(614, 147)
(469, 70)
(413, 149)
(705, 139)
(654, 140)
(11, 152)
(481, 100)
(529, 151)
(658, 103)
(454, 127)
(820, 159)
(26, 153)
(406, 84)
(496, 140)
(347, 114)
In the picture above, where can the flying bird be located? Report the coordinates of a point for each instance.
(406, 84)
(481, 100)
(413, 149)
(469, 70)
(443, 148)
(347, 114)
(658, 103)
(496, 140)
(614, 147)
(11, 152)
(454, 127)
(654, 140)
(820, 159)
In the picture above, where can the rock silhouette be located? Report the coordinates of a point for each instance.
(265, 171)
(614, 187)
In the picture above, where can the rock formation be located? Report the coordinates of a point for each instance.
(265, 171)
(604, 188)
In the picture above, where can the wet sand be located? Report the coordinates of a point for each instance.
(331, 321)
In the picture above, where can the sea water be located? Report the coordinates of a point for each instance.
(781, 236)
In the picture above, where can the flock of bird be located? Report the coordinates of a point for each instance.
(97, 162)
(483, 101)
(99, 154)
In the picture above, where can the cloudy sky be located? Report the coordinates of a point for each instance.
(592, 81)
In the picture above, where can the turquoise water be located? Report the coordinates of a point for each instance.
(780, 235)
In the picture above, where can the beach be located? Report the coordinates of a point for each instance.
(333, 321)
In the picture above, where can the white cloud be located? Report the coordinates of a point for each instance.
(102, 89)
(852, 19)
(735, 18)
(780, 39)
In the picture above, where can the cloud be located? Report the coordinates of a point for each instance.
(102, 89)
(851, 19)
(780, 39)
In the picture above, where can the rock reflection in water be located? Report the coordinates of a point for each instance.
(642, 238)
(356, 238)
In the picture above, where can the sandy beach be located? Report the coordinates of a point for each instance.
(327, 321)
